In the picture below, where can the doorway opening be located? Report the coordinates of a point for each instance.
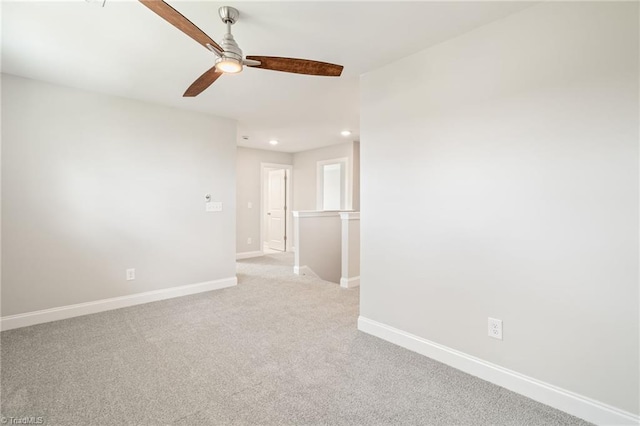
(333, 185)
(276, 216)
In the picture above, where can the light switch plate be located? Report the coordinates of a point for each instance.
(213, 206)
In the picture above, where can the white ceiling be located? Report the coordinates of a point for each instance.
(126, 50)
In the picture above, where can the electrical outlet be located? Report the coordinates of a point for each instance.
(249, 240)
(495, 328)
(131, 274)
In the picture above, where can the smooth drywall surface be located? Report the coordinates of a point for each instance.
(248, 163)
(318, 238)
(513, 154)
(305, 173)
(356, 176)
(94, 184)
(0, 187)
(354, 248)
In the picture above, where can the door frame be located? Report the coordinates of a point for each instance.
(344, 161)
(288, 215)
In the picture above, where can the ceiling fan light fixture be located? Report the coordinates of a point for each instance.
(228, 65)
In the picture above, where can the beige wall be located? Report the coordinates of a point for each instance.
(94, 184)
(318, 241)
(248, 162)
(513, 151)
(305, 169)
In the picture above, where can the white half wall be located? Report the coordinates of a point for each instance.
(513, 152)
(350, 249)
(318, 240)
(93, 185)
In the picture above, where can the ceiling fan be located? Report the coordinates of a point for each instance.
(229, 58)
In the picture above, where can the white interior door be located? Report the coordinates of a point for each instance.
(277, 209)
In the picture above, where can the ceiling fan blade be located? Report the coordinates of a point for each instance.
(178, 20)
(204, 81)
(298, 66)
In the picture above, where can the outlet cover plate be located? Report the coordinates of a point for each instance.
(495, 328)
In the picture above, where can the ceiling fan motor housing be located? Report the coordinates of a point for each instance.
(231, 48)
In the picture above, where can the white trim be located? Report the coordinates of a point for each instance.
(567, 401)
(249, 254)
(350, 215)
(304, 270)
(350, 282)
(315, 213)
(63, 312)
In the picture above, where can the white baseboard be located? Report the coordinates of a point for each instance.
(350, 282)
(47, 315)
(304, 270)
(567, 401)
(249, 254)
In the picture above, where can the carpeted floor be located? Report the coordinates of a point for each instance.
(276, 349)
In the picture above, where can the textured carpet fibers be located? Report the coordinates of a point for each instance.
(276, 349)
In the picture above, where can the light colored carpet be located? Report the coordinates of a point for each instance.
(276, 349)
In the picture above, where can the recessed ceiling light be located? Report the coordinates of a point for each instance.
(273, 142)
(345, 132)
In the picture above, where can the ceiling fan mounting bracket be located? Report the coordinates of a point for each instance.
(228, 14)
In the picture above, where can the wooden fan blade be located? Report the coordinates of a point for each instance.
(204, 81)
(298, 66)
(178, 20)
